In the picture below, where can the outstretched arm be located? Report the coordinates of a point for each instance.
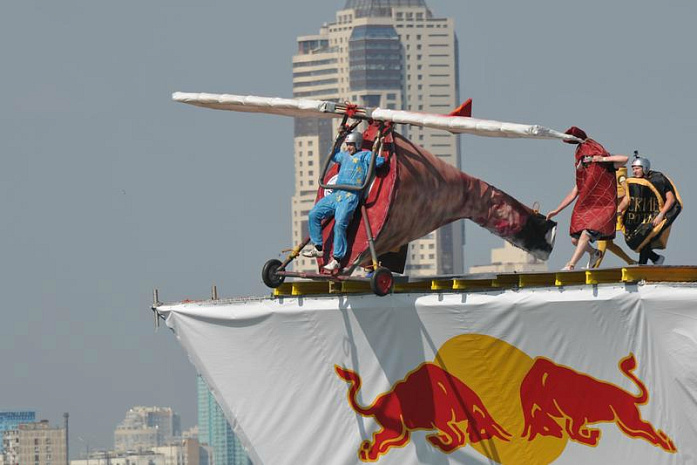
(570, 197)
(618, 160)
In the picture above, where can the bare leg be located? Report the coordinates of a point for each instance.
(582, 246)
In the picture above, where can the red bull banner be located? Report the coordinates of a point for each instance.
(601, 374)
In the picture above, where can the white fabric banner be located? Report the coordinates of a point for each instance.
(601, 374)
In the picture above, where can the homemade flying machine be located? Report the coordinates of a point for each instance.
(415, 194)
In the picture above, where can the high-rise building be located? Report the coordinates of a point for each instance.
(379, 53)
(10, 420)
(34, 444)
(215, 431)
(147, 427)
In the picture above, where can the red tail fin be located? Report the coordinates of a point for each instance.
(463, 110)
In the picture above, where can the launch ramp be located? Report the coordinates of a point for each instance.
(563, 368)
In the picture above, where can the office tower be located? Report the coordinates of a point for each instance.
(146, 427)
(379, 53)
(10, 420)
(34, 444)
(215, 431)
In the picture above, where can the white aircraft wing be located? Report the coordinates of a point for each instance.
(324, 109)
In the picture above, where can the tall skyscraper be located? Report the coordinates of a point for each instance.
(10, 420)
(379, 53)
(215, 431)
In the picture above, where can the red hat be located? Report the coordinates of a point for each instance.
(576, 132)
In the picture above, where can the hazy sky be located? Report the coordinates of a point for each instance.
(108, 189)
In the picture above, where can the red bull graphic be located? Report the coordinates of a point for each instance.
(428, 398)
(554, 395)
(484, 392)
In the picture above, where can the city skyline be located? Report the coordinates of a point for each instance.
(109, 190)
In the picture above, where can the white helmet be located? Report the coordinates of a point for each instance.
(355, 137)
(644, 163)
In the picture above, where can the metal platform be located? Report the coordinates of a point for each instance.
(486, 282)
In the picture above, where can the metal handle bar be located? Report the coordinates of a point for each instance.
(376, 150)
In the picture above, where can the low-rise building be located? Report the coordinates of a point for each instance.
(35, 443)
(146, 427)
(509, 259)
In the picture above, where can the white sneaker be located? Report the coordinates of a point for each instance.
(313, 252)
(333, 265)
(659, 260)
(595, 259)
(568, 267)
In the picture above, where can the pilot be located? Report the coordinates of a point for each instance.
(340, 203)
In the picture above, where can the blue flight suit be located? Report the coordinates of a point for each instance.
(341, 204)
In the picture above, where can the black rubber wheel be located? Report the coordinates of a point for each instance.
(269, 276)
(382, 281)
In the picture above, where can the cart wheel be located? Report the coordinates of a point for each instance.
(269, 276)
(382, 281)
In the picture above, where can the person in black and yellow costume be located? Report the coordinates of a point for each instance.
(609, 244)
(648, 211)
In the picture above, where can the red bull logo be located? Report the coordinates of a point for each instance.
(431, 399)
(553, 395)
(485, 393)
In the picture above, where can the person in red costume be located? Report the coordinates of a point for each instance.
(595, 213)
